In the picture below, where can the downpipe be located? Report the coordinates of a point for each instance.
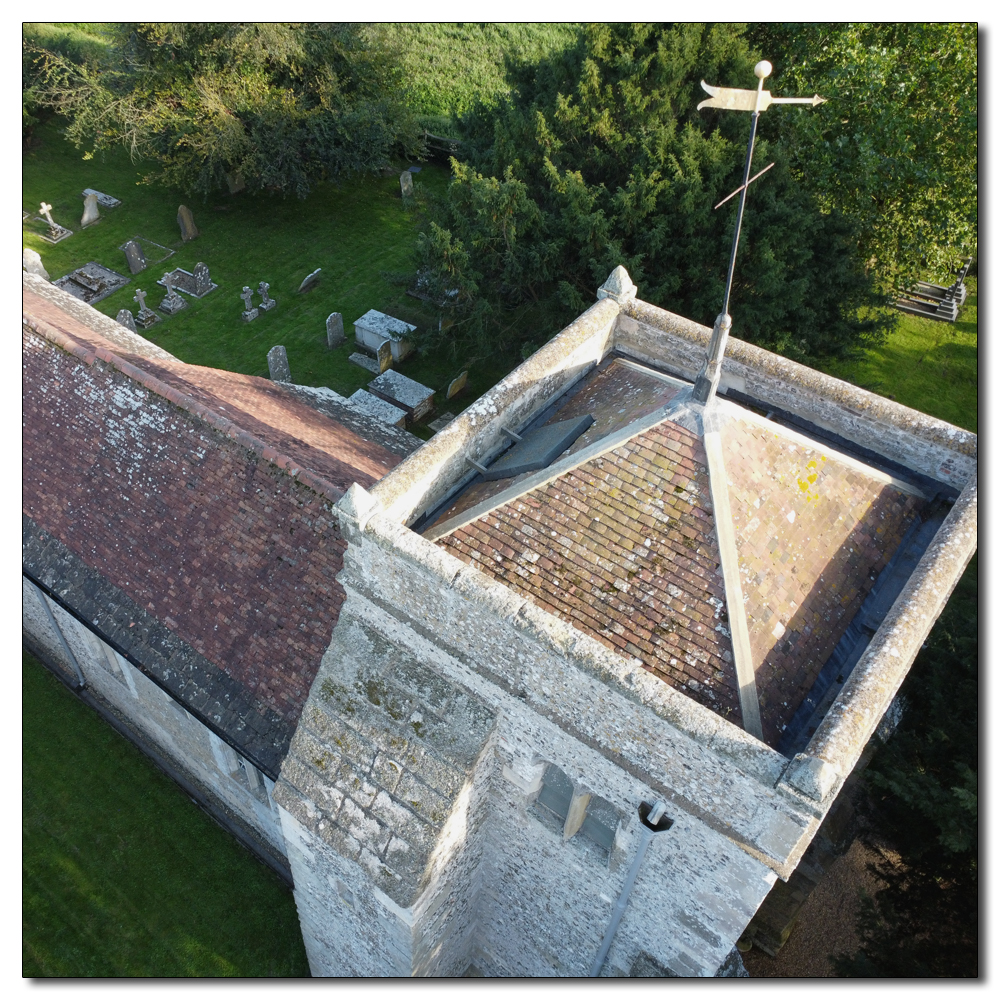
(653, 822)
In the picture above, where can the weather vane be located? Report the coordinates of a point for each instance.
(756, 101)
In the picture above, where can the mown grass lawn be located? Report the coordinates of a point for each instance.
(927, 365)
(122, 874)
(360, 233)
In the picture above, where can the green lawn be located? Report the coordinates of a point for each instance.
(122, 874)
(360, 234)
(928, 365)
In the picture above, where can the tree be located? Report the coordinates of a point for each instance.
(896, 146)
(600, 158)
(923, 786)
(276, 106)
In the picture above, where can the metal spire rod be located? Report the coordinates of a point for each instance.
(756, 101)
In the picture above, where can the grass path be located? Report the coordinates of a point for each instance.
(122, 874)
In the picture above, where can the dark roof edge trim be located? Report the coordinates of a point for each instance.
(223, 424)
(121, 651)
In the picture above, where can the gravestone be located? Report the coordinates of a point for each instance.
(92, 282)
(457, 385)
(56, 232)
(406, 184)
(172, 302)
(104, 200)
(379, 409)
(364, 361)
(439, 423)
(249, 313)
(31, 261)
(334, 330)
(374, 327)
(126, 319)
(384, 356)
(186, 221)
(266, 303)
(277, 365)
(203, 283)
(146, 317)
(135, 257)
(309, 281)
(90, 213)
(235, 182)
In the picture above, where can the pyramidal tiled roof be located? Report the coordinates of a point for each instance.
(630, 535)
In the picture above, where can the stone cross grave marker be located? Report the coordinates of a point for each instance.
(146, 317)
(126, 319)
(186, 221)
(277, 365)
(457, 385)
(384, 356)
(309, 281)
(334, 330)
(31, 261)
(266, 303)
(135, 257)
(249, 313)
(90, 213)
(172, 302)
(56, 232)
(406, 184)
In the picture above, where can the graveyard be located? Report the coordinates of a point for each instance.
(350, 240)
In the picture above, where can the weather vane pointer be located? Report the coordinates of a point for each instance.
(755, 101)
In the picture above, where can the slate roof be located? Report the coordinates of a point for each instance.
(188, 510)
(625, 546)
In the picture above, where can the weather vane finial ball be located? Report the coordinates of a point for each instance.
(763, 69)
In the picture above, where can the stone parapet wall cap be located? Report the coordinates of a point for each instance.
(619, 286)
(811, 776)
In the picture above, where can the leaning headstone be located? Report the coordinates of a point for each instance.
(186, 221)
(277, 365)
(90, 213)
(364, 361)
(457, 385)
(384, 356)
(104, 200)
(126, 319)
(249, 313)
(406, 184)
(31, 261)
(146, 317)
(266, 303)
(309, 281)
(172, 302)
(135, 257)
(334, 330)
(203, 283)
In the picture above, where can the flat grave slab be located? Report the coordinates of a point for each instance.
(399, 390)
(196, 285)
(375, 327)
(104, 200)
(379, 409)
(363, 361)
(92, 282)
(539, 449)
(439, 423)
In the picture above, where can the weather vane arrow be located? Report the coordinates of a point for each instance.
(755, 101)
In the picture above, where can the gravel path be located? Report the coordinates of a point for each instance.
(825, 924)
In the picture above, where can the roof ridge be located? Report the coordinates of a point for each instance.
(676, 407)
(67, 342)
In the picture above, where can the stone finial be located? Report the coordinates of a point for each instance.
(619, 286)
(811, 776)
